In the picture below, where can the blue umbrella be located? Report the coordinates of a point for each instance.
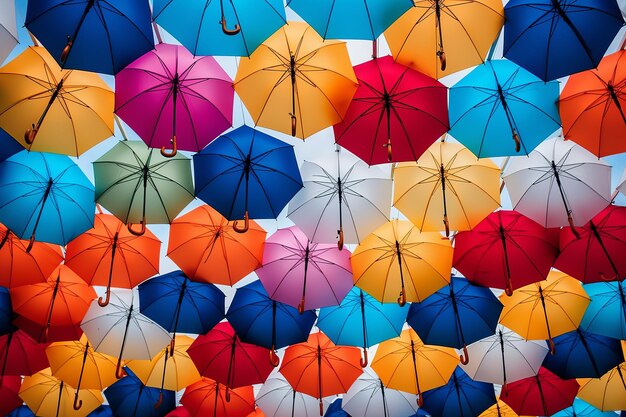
(606, 313)
(456, 315)
(246, 173)
(361, 320)
(220, 27)
(8, 145)
(581, 354)
(460, 397)
(21, 411)
(45, 195)
(129, 397)
(6, 312)
(581, 408)
(555, 38)
(499, 99)
(259, 320)
(93, 35)
(102, 411)
(335, 410)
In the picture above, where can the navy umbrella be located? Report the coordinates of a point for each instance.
(8, 145)
(6, 312)
(129, 397)
(335, 409)
(102, 411)
(21, 411)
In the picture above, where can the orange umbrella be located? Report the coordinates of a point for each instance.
(207, 248)
(319, 368)
(208, 398)
(109, 254)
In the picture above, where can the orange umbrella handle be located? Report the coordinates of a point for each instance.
(172, 344)
(294, 124)
(160, 401)
(571, 226)
(442, 59)
(174, 150)
(402, 298)
(340, 242)
(246, 224)
(30, 243)
(227, 394)
(552, 347)
(465, 356)
(77, 403)
(107, 297)
(30, 134)
(389, 152)
(508, 290)
(139, 232)
(274, 359)
(518, 143)
(66, 50)
(301, 306)
(420, 400)
(227, 31)
(321, 407)
(119, 371)
(364, 360)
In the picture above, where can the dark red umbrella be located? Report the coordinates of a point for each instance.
(21, 355)
(9, 394)
(598, 255)
(506, 250)
(540, 395)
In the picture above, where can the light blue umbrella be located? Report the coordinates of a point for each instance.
(606, 313)
(581, 408)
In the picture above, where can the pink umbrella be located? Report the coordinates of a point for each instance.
(171, 98)
(303, 274)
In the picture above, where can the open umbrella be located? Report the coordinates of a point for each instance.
(21, 411)
(277, 398)
(395, 114)
(6, 311)
(581, 408)
(296, 82)
(207, 398)
(129, 397)
(20, 354)
(9, 146)
(9, 394)
(172, 99)
(607, 393)
(102, 411)
(606, 313)
(8, 30)
(499, 409)
(335, 409)
(93, 35)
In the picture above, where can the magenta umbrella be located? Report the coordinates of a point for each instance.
(303, 274)
(172, 99)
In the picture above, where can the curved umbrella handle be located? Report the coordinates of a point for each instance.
(321, 407)
(107, 297)
(246, 224)
(30, 134)
(227, 394)
(442, 59)
(66, 50)
(364, 360)
(227, 31)
(508, 290)
(173, 152)
(294, 124)
(402, 298)
(139, 232)
(552, 347)
(274, 359)
(340, 242)
(518, 143)
(159, 401)
(77, 403)
(31, 242)
(119, 371)
(446, 225)
(465, 356)
(420, 400)
(301, 306)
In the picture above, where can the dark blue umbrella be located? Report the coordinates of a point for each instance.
(335, 410)
(129, 397)
(21, 411)
(456, 315)
(6, 312)
(460, 397)
(8, 145)
(247, 174)
(606, 313)
(259, 320)
(92, 35)
(102, 411)
(555, 38)
(581, 354)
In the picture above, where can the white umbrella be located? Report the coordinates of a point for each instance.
(505, 357)
(277, 398)
(342, 197)
(368, 397)
(559, 183)
(8, 28)
(120, 330)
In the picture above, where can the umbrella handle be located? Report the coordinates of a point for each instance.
(571, 226)
(274, 359)
(30, 134)
(31, 242)
(173, 152)
(518, 143)
(552, 347)
(442, 59)
(77, 403)
(160, 401)
(227, 394)
(301, 306)
(446, 224)
(139, 232)
(227, 31)
(340, 242)
(119, 371)
(389, 152)
(402, 298)
(321, 407)
(508, 290)
(294, 124)
(66, 50)
(107, 296)
(364, 360)
(172, 344)
(246, 224)
(420, 400)
(465, 356)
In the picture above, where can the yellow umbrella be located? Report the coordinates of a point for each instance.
(296, 82)
(608, 393)
(48, 396)
(499, 409)
(405, 363)
(545, 309)
(48, 109)
(448, 188)
(398, 263)
(440, 37)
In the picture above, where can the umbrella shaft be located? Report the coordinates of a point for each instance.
(545, 313)
(59, 399)
(399, 255)
(438, 16)
(503, 360)
(43, 203)
(615, 99)
(70, 40)
(113, 250)
(557, 178)
(596, 234)
(506, 259)
(573, 28)
(365, 345)
(53, 97)
(543, 400)
(82, 367)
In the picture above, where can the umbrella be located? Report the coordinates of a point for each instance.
(592, 107)
(129, 397)
(543, 394)
(521, 251)
(20, 354)
(398, 263)
(261, 321)
(448, 188)
(559, 183)
(9, 390)
(303, 274)
(246, 174)
(62, 300)
(93, 35)
(456, 316)
(566, 32)
(209, 398)
(405, 363)
(608, 393)
(8, 30)
(171, 98)
(499, 99)
(296, 82)
(179, 411)
(206, 247)
(606, 313)
(581, 408)
(360, 320)
(394, 107)
(235, 27)
(545, 309)
(109, 254)
(48, 109)
(277, 398)
(499, 409)
(442, 37)
(45, 196)
(137, 184)
(9, 146)
(319, 368)
(336, 410)
(341, 192)
(102, 411)
(6, 311)
(459, 397)
(120, 330)
(21, 411)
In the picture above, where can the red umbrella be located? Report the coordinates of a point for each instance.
(9, 394)
(540, 395)
(21, 355)
(598, 254)
(395, 107)
(506, 250)
(207, 398)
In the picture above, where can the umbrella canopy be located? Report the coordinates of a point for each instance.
(48, 109)
(9, 393)
(22, 411)
(499, 99)
(560, 183)
(607, 393)
(6, 312)
(521, 251)
(592, 106)
(448, 188)
(606, 313)
(9, 145)
(20, 354)
(232, 28)
(335, 409)
(499, 409)
(8, 29)
(398, 263)
(303, 274)
(581, 408)
(102, 411)
(565, 30)
(442, 37)
(247, 174)
(296, 82)
(341, 192)
(277, 398)
(395, 107)
(212, 399)
(93, 35)
(172, 99)
(129, 397)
